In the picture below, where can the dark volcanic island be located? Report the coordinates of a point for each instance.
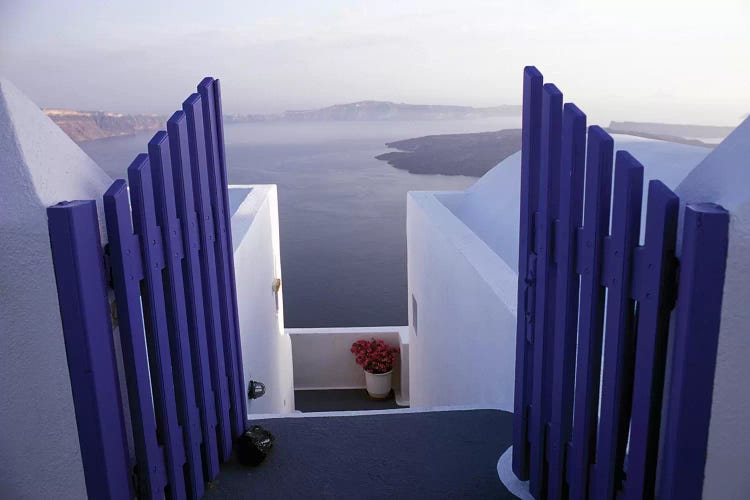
(475, 154)
(453, 154)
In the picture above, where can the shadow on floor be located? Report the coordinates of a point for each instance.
(340, 400)
(435, 455)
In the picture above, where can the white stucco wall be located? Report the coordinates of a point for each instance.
(39, 166)
(266, 348)
(462, 350)
(323, 360)
(724, 178)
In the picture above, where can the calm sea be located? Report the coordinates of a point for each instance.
(342, 212)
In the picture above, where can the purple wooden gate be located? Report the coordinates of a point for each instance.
(594, 309)
(172, 274)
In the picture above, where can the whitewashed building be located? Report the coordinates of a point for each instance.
(457, 352)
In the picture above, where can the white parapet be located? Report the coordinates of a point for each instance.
(39, 166)
(322, 358)
(266, 348)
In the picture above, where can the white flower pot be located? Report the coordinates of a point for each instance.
(378, 384)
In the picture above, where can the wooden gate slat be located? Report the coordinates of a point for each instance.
(591, 309)
(532, 114)
(89, 347)
(193, 109)
(157, 334)
(230, 246)
(166, 218)
(180, 155)
(619, 344)
(696, 336)
(206, 90)
(653, 280)
(573, 158)
(549, 182)
(127, 273)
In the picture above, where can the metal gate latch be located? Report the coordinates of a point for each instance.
(255, 389)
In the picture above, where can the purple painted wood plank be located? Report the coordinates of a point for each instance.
(233, 285)
(216, 189)
(573, 160)
(89, 347)
(532, 114)
(193, 109)
(180, 154)
(653, 288)
(619, 344)
(155, 317)
(127, 273)
(176, 309)
(591, 309)
(696, 335)
(549, 194)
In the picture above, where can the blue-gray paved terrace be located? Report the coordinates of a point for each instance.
(439, 454)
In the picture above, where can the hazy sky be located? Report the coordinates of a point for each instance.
(670, 60)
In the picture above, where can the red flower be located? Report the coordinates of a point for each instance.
(375, 356)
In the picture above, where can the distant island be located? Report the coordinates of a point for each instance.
(453, 154)
(475, 154)
(89, 125)
(381, 111)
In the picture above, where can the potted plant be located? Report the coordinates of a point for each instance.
(376, 359)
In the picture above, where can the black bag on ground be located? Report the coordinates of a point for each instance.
(253, 445)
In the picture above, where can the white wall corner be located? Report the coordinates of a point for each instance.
(462, 338)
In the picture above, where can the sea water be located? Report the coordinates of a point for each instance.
(342, 213)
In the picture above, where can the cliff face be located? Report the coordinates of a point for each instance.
(89, 125)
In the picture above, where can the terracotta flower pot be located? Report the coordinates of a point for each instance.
(378, 384)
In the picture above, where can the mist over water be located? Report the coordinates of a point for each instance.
(342, 212)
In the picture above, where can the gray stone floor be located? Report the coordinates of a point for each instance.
(431, 455)
(340, 400)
